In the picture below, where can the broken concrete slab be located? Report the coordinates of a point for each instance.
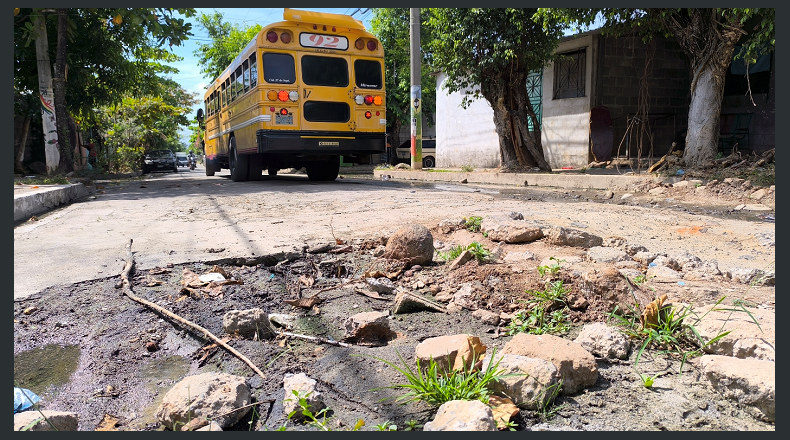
(406, 302)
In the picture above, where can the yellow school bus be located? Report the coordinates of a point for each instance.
(304, 92)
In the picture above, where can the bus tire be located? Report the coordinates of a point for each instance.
(326, 171)
(239, 163)
(272, 171)
(210, 167)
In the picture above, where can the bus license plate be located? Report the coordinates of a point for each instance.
(283, 119)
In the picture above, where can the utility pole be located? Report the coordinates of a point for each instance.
(416, 89)
(51, 150)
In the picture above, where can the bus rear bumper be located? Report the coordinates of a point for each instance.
(310, 143)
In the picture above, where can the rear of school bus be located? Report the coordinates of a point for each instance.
(320, 96)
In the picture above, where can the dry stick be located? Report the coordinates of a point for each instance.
(317, 339)
(127, 289)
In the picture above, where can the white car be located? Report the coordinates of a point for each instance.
(182, 158)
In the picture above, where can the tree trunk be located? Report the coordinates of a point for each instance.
(518, 147)
(20, 154)
(48, 119)
(65, 136)
(702, 138)
(392, 159)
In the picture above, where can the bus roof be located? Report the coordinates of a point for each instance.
(322, 18)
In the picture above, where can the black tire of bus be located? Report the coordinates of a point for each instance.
(272, 171)
(326, 171)
(239, 163)
(210, 167)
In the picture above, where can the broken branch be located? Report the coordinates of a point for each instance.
(127, 290)
(316, 339)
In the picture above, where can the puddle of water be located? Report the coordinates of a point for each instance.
(168, 369)
(49, 366)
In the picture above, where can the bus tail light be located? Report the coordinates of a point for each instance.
(272, 37)
(371, 45)
(378, 100)
(271, 95)
(285, 37)
(368, 100)
(359, 99)
(283, 112)
(359, 44)
(293, 96)
(282, 96)
(368, 114)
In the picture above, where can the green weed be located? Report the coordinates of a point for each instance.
(552, 269)
(412, 425)
(478, 251)
(467, 168)
(436, 387)
(543, 316)
(548, 409)
(310, 418)
(386, 426)
(473, 223)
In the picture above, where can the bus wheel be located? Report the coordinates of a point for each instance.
(210, 167)
(324, 170)
(272, 171)
(239, 163)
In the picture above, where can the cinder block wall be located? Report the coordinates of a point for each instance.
(620, 74)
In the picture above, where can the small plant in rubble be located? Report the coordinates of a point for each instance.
(436, 387)
(674, 333)
(473, 223)
(551, 269)
(478, 251)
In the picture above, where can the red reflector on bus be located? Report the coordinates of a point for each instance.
(272, 109)
(378, 113)
(368, 100)
(368, 115)
(283, 111)
(282, 96)
(271, 36)
(371, 45)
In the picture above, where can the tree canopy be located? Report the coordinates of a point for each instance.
(227, 40)
(488, 53)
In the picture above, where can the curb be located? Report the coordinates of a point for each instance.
(32, 201)
(558, 180)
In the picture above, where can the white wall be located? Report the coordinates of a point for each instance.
(464, 137)
(468, 137)
(566, 122)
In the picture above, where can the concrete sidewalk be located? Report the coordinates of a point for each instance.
(596, 178)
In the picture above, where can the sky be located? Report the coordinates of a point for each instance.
(189, 75)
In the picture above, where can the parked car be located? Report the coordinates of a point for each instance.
(160, 160)
(182, 158)
(428, 152)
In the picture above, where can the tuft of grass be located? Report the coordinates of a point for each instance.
(47, 180)
(467, 168)
(436, 387)
(676, 333)
(412, 425)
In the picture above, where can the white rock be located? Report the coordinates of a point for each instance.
(747, 381)
(604, 341)
(462, 415)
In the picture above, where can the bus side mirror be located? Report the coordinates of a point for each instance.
(199, 116)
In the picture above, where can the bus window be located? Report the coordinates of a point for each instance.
(239, 89)
(367, 74)
(224, 95)
(319, 111)
(253, 71)
(324, 71)
(278, 68)
(246, 75)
